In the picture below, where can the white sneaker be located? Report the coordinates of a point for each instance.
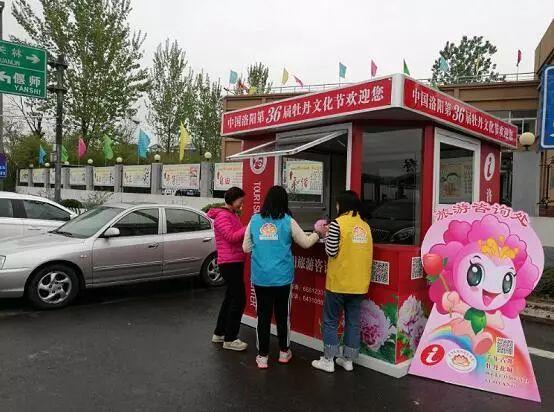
(261, 361)
(218, 339)
(285, 357)
(236, 345)
(324, 364)
(346, 364)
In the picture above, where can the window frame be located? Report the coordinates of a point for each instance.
(199, 215)
(463, 142)
(113, 224)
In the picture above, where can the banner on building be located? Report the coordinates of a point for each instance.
(104, 176)
(77, 176)
(181, 176)
(482, 261)
(38, 176)
(137, 176)
(24, 176)
(227, 175)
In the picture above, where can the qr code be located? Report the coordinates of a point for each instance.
(417, 268)
(505, 346)
(380, 272)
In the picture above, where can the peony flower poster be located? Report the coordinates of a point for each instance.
(482, 262)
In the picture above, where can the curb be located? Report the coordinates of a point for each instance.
(539, 312)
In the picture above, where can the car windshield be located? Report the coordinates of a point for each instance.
(88, 223)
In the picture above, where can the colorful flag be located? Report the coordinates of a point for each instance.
(241, 86)
(65, 155)
(285, 77)
(184, 140)
(443, 65)
(297, 80)
(342, 71)
(41, 155)
(477, 63)
(233, 77)
(107, 149)
(373, 69)
(406, 70)
(143, 144)
(252, 90)
(519, 55)
(81, 148)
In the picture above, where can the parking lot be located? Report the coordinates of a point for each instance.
(147, 347)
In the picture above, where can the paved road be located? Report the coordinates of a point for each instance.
(147, 347)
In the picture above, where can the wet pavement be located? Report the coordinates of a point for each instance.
(147, 347)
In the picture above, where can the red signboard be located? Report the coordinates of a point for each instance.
(342, 101)
(444, 107)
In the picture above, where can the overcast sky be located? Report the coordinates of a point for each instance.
(310, 37)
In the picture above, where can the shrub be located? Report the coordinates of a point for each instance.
(211, 206)
(545, 288)
(72, 204)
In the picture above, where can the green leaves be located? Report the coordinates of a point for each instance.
(478, 319)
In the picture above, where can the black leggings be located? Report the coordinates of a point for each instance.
(269, 298)
(230, 314)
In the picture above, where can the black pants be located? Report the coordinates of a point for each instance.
(230, 314)
(268, 299)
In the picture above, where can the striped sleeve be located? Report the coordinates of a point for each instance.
(333, 237)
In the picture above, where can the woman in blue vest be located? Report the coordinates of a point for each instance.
(269, 237)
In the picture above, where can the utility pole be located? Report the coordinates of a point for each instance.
(2, 5)
(60, 65)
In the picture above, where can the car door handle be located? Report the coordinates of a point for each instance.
(33, 228)
(153, 245)
(207, 239)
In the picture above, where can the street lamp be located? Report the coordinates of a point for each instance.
(31, 166)
(119, 160)
(526, 139)
(157, 157)
(47, 165)
(207, 155)
(66, 163)
(90, 161)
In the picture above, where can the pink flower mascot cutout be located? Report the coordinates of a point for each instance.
(482, 262)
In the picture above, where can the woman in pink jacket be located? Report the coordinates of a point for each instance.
(229, 234)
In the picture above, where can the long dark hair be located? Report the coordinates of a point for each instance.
(233, 194)
(349, 201)
(276, 203)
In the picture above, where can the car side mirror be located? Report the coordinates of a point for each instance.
(111, 232)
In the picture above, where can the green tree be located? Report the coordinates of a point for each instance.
(104, 78)
(205, 124)
(170, 94)
(258, 75)
(470, 61)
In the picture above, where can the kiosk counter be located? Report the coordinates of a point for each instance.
(408, 150)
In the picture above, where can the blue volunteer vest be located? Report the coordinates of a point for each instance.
(272, 262)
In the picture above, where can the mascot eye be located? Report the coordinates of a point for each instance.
(475, 274)
(507, 282)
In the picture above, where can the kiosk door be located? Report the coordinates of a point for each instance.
(456, 172)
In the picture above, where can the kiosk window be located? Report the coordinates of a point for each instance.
(391, 173)
(456, 174)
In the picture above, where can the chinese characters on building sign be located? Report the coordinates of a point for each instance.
(431, 102)
(350, 99)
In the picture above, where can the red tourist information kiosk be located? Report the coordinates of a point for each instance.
(408, 150)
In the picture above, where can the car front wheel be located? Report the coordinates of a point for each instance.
(210, 272)
(53, 286)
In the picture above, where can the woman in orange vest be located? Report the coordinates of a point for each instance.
(350, 249)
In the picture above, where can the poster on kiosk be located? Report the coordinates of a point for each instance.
(482, 262)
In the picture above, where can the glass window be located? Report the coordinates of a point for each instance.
(89, 223)
(456, 174)
(44, 211)
(6, 209)
(391, 173)
(303, 179)
(139, 223)
(181, 220)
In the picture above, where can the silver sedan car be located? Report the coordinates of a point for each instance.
(110, 245)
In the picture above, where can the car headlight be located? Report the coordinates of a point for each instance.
(403, 234)
(2, 260)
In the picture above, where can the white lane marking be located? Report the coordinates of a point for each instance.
(541, 352)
